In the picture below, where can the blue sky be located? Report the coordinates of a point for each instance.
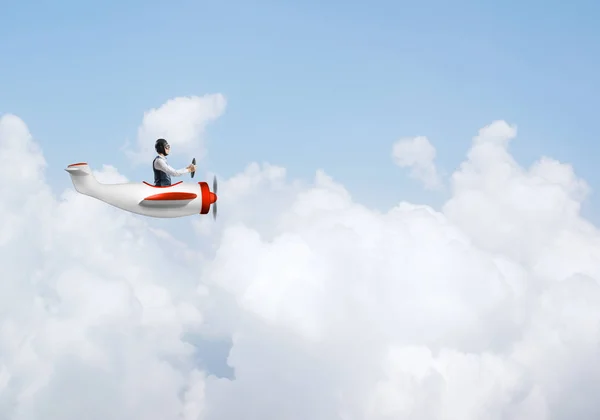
(309, 84)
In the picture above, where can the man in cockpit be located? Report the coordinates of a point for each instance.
(162, 171)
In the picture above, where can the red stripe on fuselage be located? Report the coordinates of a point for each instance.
(171, 196)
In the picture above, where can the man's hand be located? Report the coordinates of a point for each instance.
(191, 168)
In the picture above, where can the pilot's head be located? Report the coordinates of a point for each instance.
(162, 147)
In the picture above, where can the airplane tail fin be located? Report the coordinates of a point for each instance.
(83, 178)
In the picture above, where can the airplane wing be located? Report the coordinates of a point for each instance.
(168, 199)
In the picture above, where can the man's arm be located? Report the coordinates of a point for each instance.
(161, 165)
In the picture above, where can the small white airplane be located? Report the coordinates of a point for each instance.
(177, 200)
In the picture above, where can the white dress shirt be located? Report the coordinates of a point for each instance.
(162, 165)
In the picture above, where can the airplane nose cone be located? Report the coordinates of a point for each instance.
(213, 197)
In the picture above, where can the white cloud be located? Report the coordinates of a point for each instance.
(488, 310)
(110, 175)
(418, 154)
(182, 121)
(528, 212)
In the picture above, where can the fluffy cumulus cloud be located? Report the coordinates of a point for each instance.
(418, 154)
(182, 121)
(488, 309)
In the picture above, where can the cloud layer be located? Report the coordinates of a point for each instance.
(489, 309)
